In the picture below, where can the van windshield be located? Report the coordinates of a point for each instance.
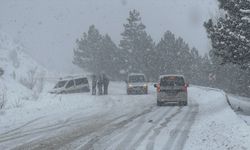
(136, 78)
(60, 84)
(172, 81)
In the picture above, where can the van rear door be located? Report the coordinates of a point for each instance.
(172, 86)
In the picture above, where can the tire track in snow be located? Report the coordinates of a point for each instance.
(112, 128)
(15, 134)
(142, 137)
(157, 131)
(20, 133)
(58, 141)
(119, 135)
(178, 129)
(131, 135)
(184, 134)
(44, 129)
(20, 127)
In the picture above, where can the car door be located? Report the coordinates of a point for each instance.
(82, 84)
(70, 87)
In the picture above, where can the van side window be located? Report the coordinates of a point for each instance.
(70, 84)
(81, 81)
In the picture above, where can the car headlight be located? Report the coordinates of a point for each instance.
(145, 85)
(130, 86)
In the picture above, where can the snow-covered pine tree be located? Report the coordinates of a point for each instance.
(166, 54)
(183, 58)
(110, 61)
(88, 53)
(136, 45)
(230, 35)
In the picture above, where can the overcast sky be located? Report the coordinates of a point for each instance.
(48, 28)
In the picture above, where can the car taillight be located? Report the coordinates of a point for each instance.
(158, 88)
(184, 88)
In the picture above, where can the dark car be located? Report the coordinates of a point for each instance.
(172, 89)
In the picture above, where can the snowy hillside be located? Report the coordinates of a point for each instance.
(19, 69)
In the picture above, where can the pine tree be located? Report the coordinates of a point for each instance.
(230, 54)
(97, 53)
(88, 54)
(166, 54)
(110, 61)
(230, 36)
(136, 45)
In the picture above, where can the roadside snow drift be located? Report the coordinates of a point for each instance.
(19, 69)
(216, 125)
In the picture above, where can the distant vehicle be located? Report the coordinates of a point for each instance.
(172, 89)
(71, 85)
(137, 84)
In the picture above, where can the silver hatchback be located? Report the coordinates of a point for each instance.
(172, 89)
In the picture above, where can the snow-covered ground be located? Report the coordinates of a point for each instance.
(120, 121)
(39, 120)
(19, 68)
(241, 105)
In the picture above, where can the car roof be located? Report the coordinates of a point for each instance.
(72, 77)
(135, 74)
(170, 75)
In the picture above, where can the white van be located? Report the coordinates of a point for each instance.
(71, 85)
(137, 84)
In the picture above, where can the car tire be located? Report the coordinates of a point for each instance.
(184, 103)
(159, 103)
(129, 93)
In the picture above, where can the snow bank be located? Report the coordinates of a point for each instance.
(216, 122)
(16, 65)
(240, 104)
(242, 107)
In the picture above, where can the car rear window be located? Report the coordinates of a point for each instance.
(60, 84)
(136, 78)
(81, 81)
(172, 81)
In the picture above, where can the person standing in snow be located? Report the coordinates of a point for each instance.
(1, 72)
(100, 84)
(94, 82)
(105, 83)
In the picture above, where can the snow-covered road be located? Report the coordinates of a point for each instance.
(119, 121)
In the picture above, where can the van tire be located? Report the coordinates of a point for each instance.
(129, 93)
(159, 103)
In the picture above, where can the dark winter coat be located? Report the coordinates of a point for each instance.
(94, 81)
(105, 80)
